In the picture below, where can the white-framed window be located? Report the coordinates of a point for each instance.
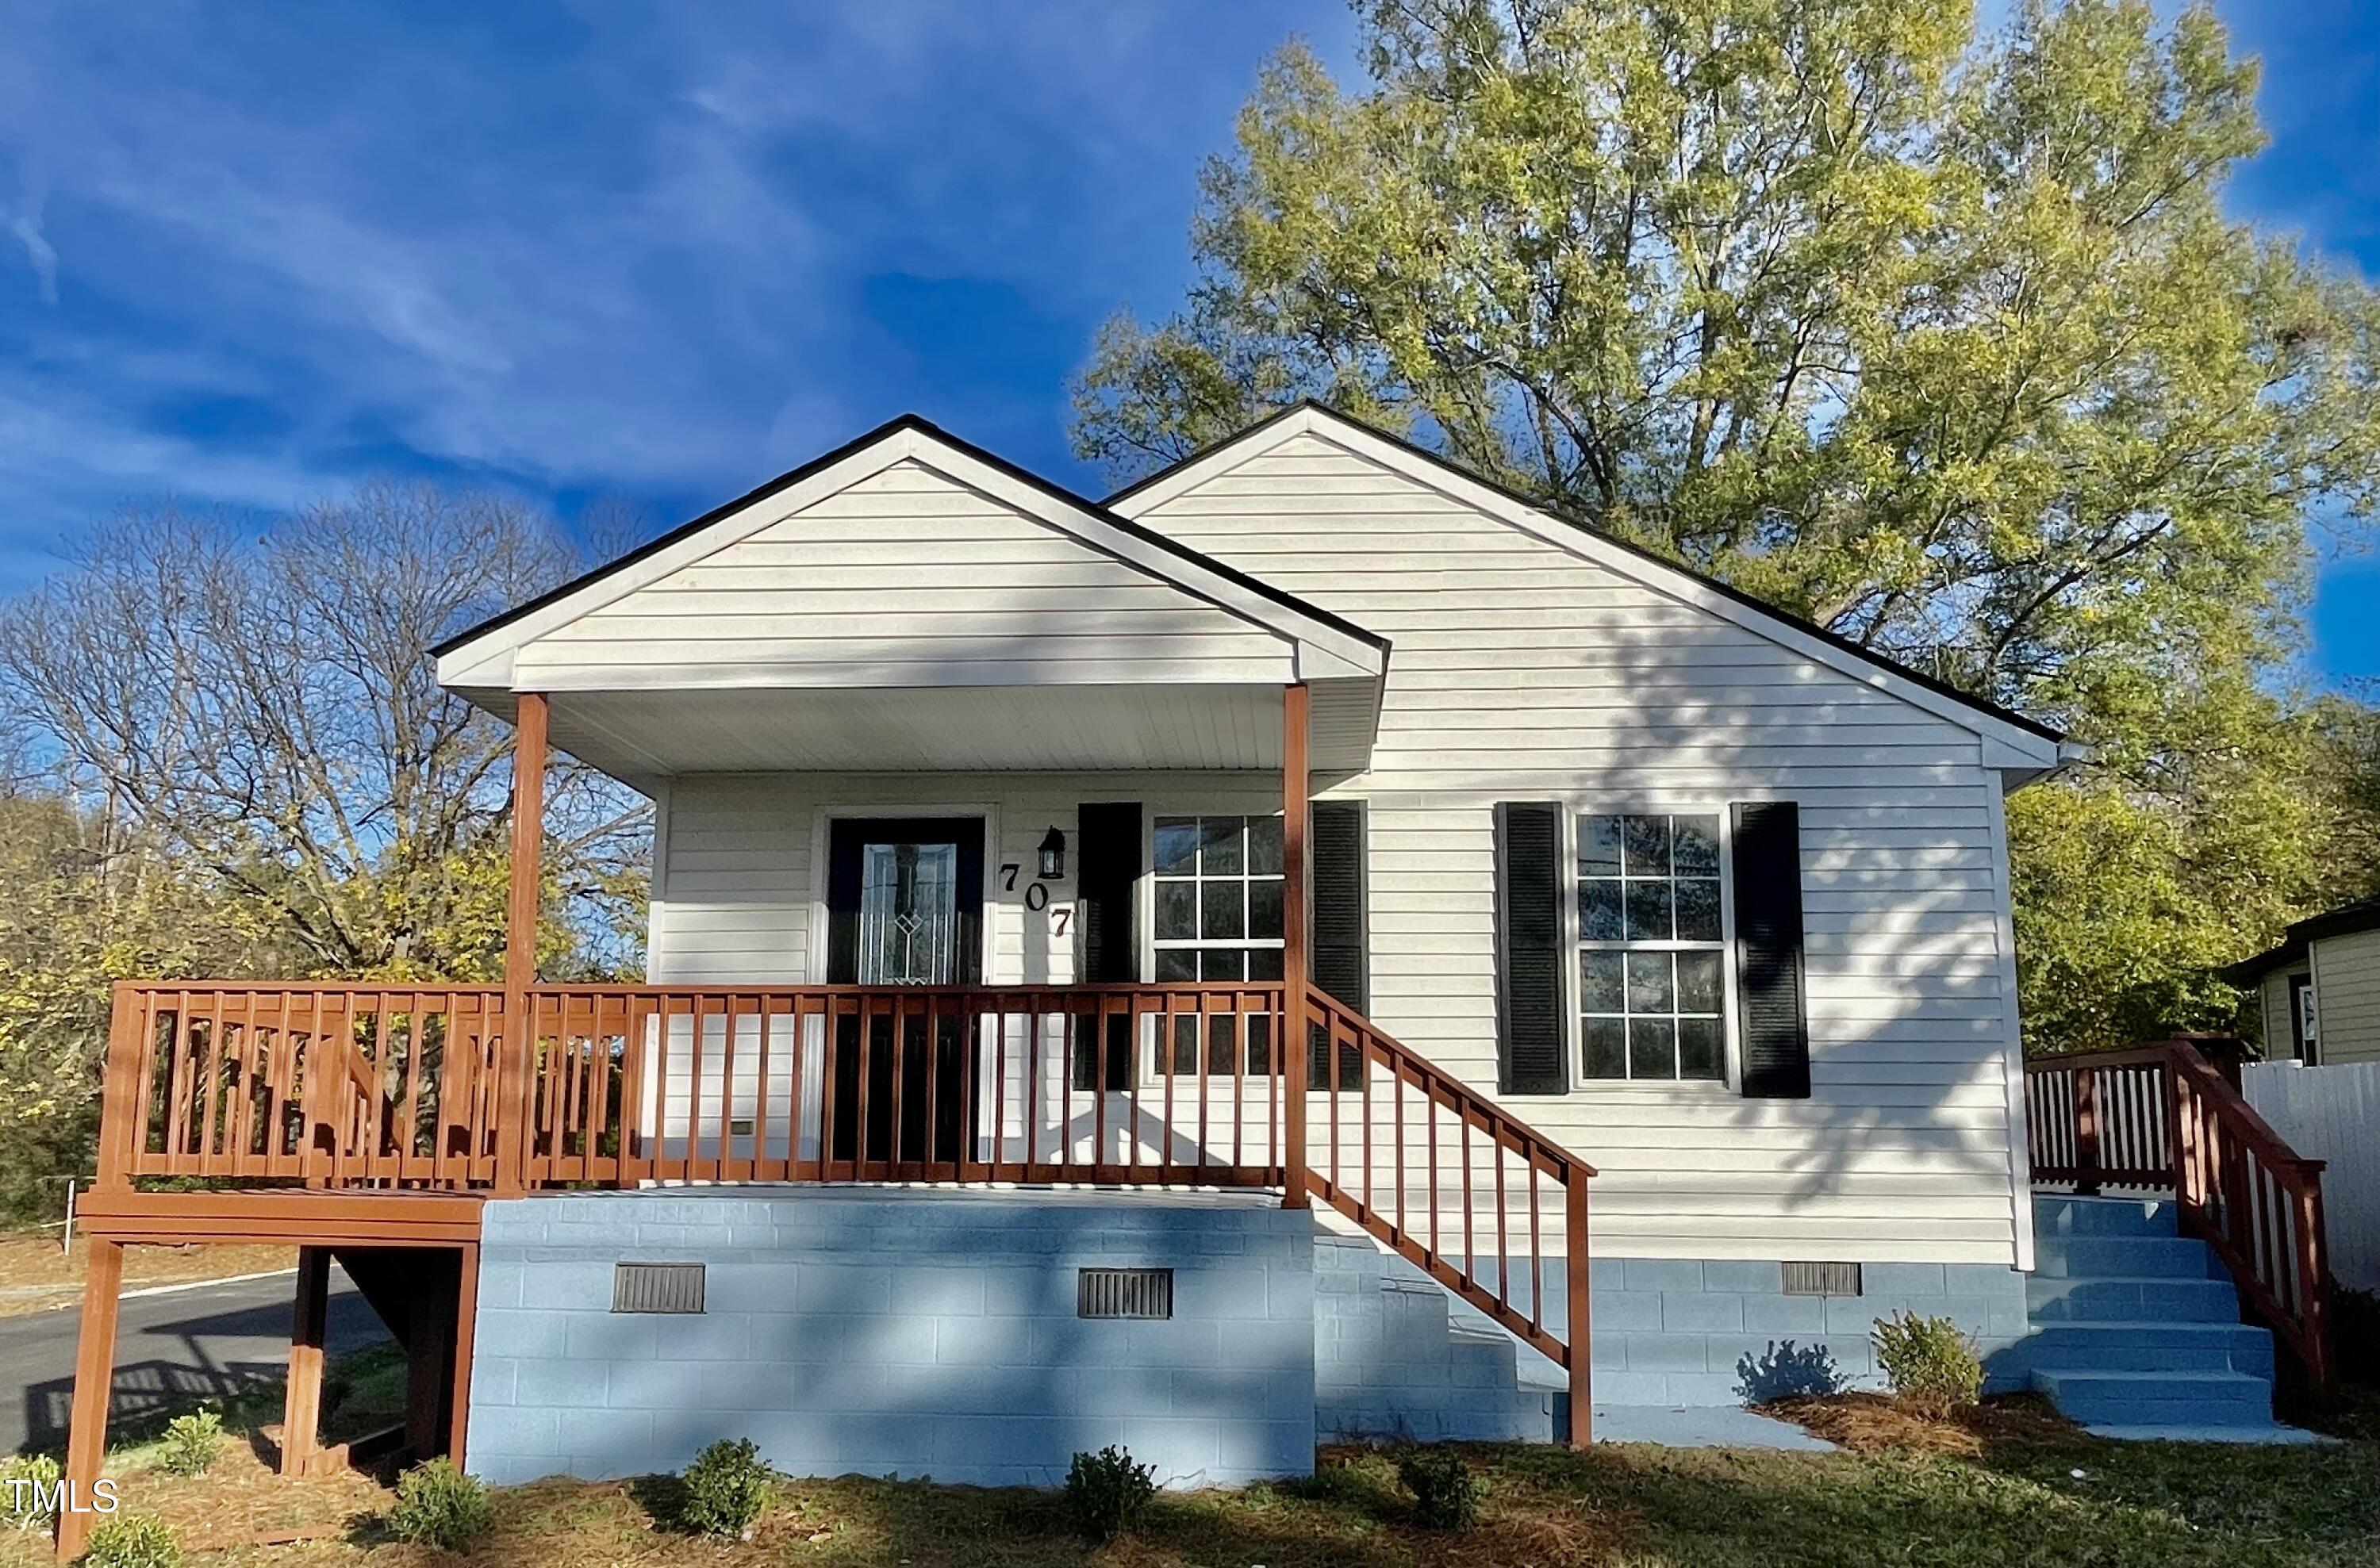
(1651, 907)
(1216, 892)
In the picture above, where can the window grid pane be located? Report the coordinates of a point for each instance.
(1651, 961)
(1218, 910)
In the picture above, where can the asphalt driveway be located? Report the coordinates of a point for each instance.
(187, 1344)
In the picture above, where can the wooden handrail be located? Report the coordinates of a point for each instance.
(2161, 1117)
(1409, 1170)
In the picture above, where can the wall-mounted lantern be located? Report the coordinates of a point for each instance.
(1053, 854)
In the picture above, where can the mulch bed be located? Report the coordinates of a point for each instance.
(1866, 1423)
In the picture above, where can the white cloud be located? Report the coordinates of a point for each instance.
(25, 223)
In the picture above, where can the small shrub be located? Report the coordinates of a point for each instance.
(439, 1505)
(726, 1487)
(1446, 1494)
(1106, 1491)
(1932, 1364)
(29, 1489)
(130, 1541)
(193, 1444)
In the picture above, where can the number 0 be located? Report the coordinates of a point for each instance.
(1036, 897)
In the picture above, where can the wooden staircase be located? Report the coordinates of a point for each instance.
(1487, 1207)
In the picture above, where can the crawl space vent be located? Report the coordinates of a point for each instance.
(657, 1288)
(1822, 1279)
(1124, 1293)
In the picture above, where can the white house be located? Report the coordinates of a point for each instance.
(1001, 833)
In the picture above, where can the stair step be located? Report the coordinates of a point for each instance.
(2099, 1397)
(2143, 1345)
(2055, 1213)
(2132, 1297)
(2167, 1256)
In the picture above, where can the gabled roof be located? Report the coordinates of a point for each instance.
(2364, 914)
(2033, 744)
(1345, 648)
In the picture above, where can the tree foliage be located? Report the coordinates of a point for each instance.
(1939, 339)
(235, 759)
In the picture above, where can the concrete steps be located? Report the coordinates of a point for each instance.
(2136, 1328)
(1396, 1356)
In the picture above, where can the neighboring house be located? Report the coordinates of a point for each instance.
(2318, 992)
(989, 821)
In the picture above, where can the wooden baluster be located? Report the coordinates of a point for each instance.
(1206, 1063)
(1397, 1133)
(1429, 1149)
(409, 1122)
(1342, 1035)
(1537, 1253)
(1470, 1244)
(1503, 1240)
(2086, 1132)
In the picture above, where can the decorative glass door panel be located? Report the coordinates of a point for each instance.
(908, 914)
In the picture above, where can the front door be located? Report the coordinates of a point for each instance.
(905, 907)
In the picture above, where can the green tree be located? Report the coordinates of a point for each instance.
(1941, 340)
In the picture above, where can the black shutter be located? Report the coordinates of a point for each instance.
(1768, 983)
(1107, 927)
(1106, 875)
(1342, 964)
(1529, 949)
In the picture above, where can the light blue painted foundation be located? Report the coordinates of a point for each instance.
(892, 1333)
(927, 1333)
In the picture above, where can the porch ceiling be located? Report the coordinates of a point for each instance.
(645, 735)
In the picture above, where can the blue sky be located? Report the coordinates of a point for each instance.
(249, 254)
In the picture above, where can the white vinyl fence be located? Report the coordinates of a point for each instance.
(2332, 1113)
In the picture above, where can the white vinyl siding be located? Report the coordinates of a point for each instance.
(2346, 995)
(1521, 671)
(735, 900)
(905, 578)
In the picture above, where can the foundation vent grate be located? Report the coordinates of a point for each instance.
(1822, 1279)
(657, 1288)
(1124, 1293)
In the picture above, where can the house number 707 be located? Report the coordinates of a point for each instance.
(1036, 897)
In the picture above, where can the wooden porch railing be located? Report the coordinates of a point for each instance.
(1453, 1183)
(2162, 1118)
(362, 1087)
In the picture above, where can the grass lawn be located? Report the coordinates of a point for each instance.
(2012, 1485)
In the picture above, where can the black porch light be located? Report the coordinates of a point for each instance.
(1053, 854)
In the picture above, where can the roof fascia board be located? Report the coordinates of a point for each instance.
(2018, 746)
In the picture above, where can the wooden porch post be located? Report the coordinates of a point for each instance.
(301, 1405)
(1294, 1049)
(94, 1381)
(1577, 1295)
(466, 1314)
(514, 1136)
